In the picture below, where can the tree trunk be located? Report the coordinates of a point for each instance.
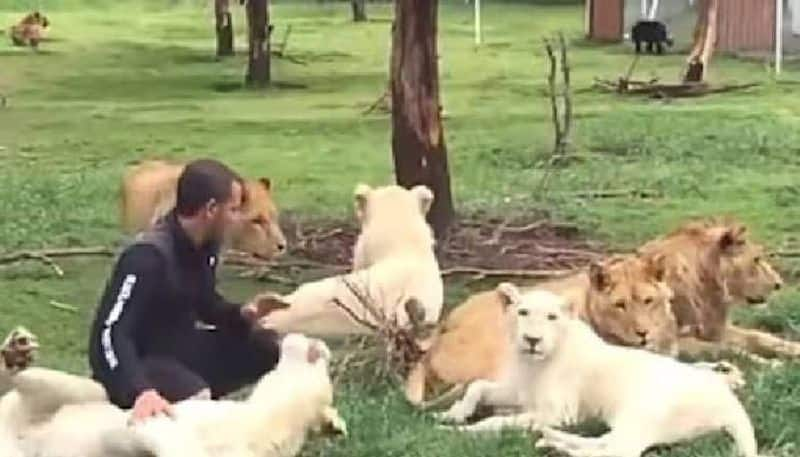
(359, 10)
(258, 61)
(705, 37)
(418, 148)
(224, 28)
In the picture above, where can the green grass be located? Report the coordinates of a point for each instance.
(124, 80)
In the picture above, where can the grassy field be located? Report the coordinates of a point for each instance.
(126, 80)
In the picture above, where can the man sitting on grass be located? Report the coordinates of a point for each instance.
(146, 347)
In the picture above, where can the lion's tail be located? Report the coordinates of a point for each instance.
(445, 399)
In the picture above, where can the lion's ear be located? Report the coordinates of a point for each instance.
(509, 294)
(361, 193)
(732, 237)
(598, 276)
(425, 197)
(657, 266)
(266, 182)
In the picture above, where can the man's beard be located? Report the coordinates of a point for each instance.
(218, 233)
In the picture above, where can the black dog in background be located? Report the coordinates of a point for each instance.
(654, 33)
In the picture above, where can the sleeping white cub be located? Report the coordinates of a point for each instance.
(564, 373)
(293, 399)
(394, 264)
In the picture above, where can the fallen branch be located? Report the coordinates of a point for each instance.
(46, 256)
(636, 193)
(653, 89)
(484, 273)
(567, 251)
(503, 228)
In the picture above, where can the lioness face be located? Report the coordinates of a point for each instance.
(748, 276)
(259, 232)
(313, 354)
(630, 304)
(538, 320)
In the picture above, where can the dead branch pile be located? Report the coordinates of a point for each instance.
(661, 90)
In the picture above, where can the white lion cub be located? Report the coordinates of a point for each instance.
(564, 373)
(394, 265)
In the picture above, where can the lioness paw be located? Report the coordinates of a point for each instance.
(456, 414)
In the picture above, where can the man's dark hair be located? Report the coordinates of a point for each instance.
(200, 182)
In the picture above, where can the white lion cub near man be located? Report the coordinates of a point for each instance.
(564, 373)
(286, 403)
(394, 264)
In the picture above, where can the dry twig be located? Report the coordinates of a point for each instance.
(562, 126)
(63, 306)
(402, 350)
(379, 103)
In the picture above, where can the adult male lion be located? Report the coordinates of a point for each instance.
(623, 298)
(148, 192)
(711, 266)
(30, 30)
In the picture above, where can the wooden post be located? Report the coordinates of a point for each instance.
(705, 37)
(258, 60)
(418, 147)
(359, 10)
(224, 28)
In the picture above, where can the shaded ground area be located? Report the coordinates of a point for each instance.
(476, 242)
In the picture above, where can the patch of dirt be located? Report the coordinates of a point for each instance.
(474, 242)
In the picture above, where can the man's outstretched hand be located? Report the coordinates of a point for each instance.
(261, 305)
(149, 404)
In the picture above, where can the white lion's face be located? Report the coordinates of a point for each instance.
(539, 322)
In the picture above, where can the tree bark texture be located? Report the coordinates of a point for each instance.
(258, 61)
(418, 147)
(705, 39)
(359, 10)
(224, 28)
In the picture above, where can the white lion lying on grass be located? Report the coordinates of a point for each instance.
(394, 264)
(564, 374)
(273, 421)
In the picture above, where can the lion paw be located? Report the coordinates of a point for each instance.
(18, 349)
(455, 415)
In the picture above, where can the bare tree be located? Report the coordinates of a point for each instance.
(258, 61)
(359, 10)
(418, 147)
(224, 28)
(705, 37)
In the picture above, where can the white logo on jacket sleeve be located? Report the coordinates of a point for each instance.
(212, 261)
(116, 311)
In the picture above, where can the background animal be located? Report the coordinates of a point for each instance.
(148, 192)
(30, 30)
(654, 33)
(623, 298)
(396, 265)
(565, 374)
(712, 265)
